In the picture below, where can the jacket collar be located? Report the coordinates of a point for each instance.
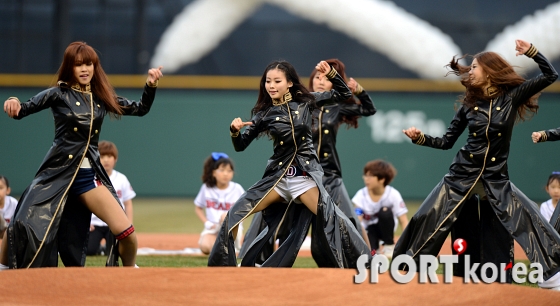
(76, 87)
(287, 97)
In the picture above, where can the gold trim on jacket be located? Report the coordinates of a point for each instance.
(470, 189)
(65, 195)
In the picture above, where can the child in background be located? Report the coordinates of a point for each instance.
(217, 195)
(379, 206)
(7, 205)
(553, 190)
(99, 229)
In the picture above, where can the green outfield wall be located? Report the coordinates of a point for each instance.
(162, 153)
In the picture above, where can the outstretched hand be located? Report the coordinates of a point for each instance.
(412, 133)
(536, 136)
(154, 75)
(237, 124)
(521, 47)
(12, 107)
(323, 67)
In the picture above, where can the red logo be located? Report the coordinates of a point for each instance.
(460, 246)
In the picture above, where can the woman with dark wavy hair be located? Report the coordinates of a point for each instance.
(291, 187)
(54, 213)
(476, 200)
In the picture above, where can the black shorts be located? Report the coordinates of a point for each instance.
(84, 181)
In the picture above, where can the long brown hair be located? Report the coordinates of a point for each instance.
(77, 53)
(502, 77)
(351, 121)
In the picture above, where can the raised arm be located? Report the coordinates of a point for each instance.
(243, 140)
(142, 107)
(366, 108)
(455, 129)
(534, 85)
(41, 101)
(339, 91)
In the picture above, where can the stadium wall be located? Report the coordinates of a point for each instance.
(162, 153)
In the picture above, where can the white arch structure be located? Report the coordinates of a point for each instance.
(409, 41)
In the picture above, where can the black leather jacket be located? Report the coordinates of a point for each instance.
(550, 135)
(326, 127)
(483, 160)
(490, 126)
(48, 220)
(289, 125)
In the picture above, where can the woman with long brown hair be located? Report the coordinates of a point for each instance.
(476, 201)
(327, 120)
(54, 212)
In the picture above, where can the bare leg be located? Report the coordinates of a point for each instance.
(271, 197)
(102, 203)
(4, 250)
(207, 243)
(365, 236)
(310, 199)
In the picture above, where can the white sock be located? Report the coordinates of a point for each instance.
(3, 267)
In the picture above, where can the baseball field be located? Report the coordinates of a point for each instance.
(169, 226)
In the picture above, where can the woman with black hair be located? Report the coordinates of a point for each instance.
(293, 175)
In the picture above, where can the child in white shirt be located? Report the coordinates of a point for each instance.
(7, 205)
(216, 196)
(553, 190)
(380, 207)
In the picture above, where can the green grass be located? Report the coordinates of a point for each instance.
(179, 261)
(168, 215)
(176, 215)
